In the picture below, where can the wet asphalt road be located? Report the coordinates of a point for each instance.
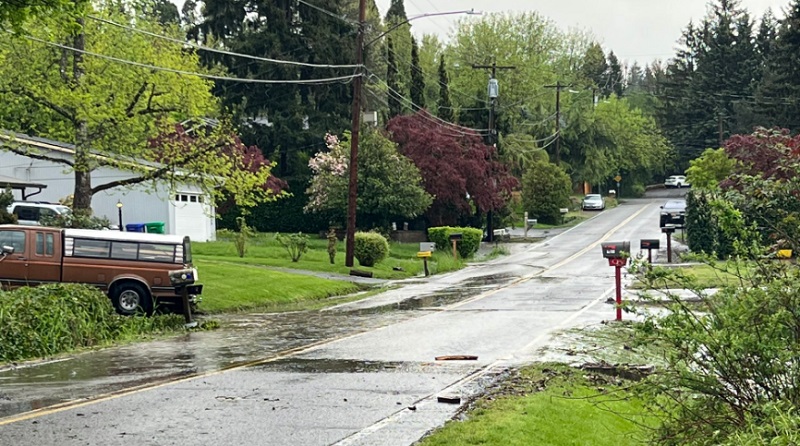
(362, 373)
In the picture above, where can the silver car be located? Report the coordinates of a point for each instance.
(593, 202)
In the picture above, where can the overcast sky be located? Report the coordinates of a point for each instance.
(641, 30)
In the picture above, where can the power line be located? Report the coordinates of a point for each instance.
(330, 13)
(201, 75)
(215, 50)
(435, 119)
(445, 130)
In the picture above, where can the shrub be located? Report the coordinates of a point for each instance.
(545, 190)
(240, 238)
(6, 199)
(76, 219)
(50, 319)
(296, 244)
(469, 244)
(370, 248)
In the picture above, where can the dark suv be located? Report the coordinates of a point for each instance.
(673, 214)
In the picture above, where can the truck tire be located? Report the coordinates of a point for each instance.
(130, 298)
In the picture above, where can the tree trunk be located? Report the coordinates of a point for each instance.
(82, 195)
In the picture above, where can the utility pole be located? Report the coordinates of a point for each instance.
(558, 86)
(352, 195)
(494, 90)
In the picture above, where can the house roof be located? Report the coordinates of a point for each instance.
(16, 183)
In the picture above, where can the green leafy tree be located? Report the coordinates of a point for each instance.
(710, 169)
(545, 190)
(389, 184)
(15, 13)
(731, 357)
(117, 114)
(518, 151)
(700, 225)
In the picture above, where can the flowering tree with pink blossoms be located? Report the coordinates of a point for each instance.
(389, 184)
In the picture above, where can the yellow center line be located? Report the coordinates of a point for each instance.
(282, 355)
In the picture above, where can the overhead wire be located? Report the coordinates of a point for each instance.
(320, 81)
(219, 51)
(330, 13)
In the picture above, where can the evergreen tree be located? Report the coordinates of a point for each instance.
(445, 105)
(395, 106)
(595, 68)
(397, 20)
(778, 95)
(284, 120)
(616, 80)
(417, 77)
(716, 66)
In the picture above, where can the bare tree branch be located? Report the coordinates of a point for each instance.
(135, 100)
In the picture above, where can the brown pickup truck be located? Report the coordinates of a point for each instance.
(137, 270)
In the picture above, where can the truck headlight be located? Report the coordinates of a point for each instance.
(183, 276)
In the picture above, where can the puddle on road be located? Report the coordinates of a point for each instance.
(242, 339)
(301, 365)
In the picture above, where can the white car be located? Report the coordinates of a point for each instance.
(30, 212)
(678, 181)
(593, 202)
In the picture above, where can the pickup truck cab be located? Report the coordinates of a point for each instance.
(136, 270)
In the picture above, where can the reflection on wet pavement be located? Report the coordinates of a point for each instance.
(243, 338)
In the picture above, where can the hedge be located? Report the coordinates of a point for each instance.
(467, 246)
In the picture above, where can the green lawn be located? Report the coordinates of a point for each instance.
(264, 250)
(705, 276)
(231, 287)
(571, 410)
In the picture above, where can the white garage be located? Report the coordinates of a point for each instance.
(184, 209)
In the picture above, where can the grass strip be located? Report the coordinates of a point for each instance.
(550, 404)
(234, 287)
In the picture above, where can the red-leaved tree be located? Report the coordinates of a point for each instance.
(765, 153)
(248, 166)
(456, 166)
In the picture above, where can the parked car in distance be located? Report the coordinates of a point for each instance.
(31, 212)
(593, 202)
(678, 181)
(673, 214)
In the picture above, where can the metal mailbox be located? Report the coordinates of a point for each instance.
(650, 244)
(668, 230)
(616, 250)
(456, 236)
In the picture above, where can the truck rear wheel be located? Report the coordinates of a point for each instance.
(130, 298)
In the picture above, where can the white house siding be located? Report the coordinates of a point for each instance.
(141, 204)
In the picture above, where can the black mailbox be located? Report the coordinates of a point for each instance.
(455, 237)
(668, 230)
(616, 250)
(650, 244)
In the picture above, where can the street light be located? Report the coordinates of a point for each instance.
(119, 211)
(352, 194)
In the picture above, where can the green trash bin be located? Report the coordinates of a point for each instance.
(156, 227)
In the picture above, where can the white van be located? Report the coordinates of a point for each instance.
(31, 212)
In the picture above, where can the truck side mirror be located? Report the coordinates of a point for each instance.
(8, 250)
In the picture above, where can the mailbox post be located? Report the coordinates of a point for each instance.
(617, 254)
(650, 245)
(455, 238)
(425, 255)
(669, 230)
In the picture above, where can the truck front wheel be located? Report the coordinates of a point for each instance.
(130, 298)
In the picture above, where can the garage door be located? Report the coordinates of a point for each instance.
(192, 216)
